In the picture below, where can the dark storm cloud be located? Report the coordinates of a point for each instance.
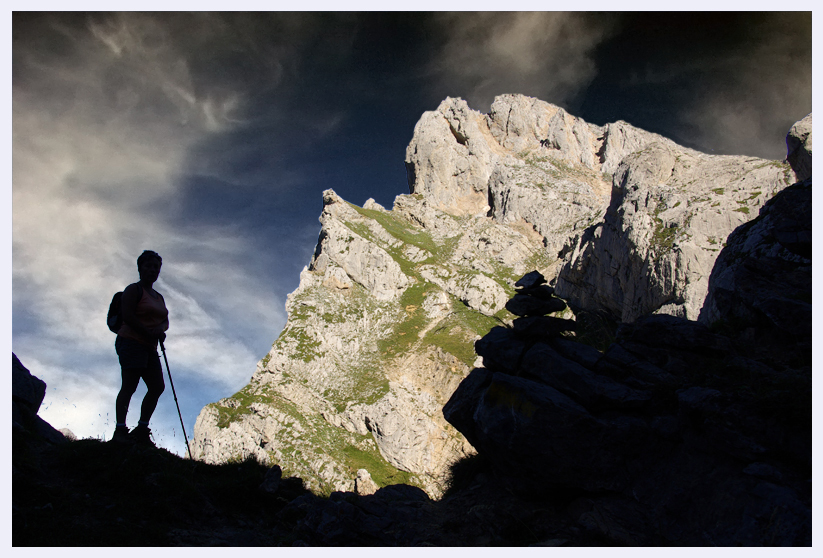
(719, 82)
(726, 82)
(757, 89)
(542, 54)
(192, 134)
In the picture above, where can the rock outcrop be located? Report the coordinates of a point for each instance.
(761, 287)
(379, 335)
(676, 434)
(27, 393)
(799, 144)
(670, 213)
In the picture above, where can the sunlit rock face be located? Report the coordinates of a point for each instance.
(380, 333)
(381, 328)
(670, 213)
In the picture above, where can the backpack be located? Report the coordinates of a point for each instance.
(114, 319)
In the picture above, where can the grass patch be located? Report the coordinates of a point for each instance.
(405, 332)
(663, 237)
(382, 472)
(232, 408)
(456, 333)
(400, 229)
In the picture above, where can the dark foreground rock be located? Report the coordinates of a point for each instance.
(27, 393)
(678, 433)
(94, 493)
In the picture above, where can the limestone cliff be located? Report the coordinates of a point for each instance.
(381, 329)
(379, 335)
(671, 211)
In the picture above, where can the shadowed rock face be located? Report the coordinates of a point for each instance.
(799, 145)
(676, 434)
(670, 213)
(761, 285)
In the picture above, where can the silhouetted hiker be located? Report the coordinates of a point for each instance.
(145, 320)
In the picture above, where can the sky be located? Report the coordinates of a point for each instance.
(209, 137)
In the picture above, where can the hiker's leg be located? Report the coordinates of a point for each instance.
(131, 377)
(131, 365)
(153, 376)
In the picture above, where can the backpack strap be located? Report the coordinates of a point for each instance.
(139, 290)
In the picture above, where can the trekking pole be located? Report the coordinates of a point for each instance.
(175, 400)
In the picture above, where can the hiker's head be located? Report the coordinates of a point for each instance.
(149, 261)
(148, 255)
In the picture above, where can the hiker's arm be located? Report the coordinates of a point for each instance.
(159, 332)
(164, 327)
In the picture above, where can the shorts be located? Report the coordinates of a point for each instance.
(134, 354)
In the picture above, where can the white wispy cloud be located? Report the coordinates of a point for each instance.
(104, 122)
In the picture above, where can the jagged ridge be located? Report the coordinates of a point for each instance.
(380, 330)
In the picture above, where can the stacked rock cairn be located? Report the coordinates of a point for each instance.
(537, 348)
(532, 301)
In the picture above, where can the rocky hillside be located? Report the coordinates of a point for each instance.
(380, 333)
(381, 329)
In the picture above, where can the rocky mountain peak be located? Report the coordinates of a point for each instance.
(382, 326)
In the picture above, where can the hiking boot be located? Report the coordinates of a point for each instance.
(142, 435)
(121, 435)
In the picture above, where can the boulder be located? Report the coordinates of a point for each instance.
(501, 349)
(271, 482)
(27, 395)
(593, 391)
(542, 327)
(547, 441)
(531, 280)
(799, 146)
(363, 484)
(26, 389)
(542, 292)
(760, 288)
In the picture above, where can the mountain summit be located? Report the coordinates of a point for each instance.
(622, 223)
